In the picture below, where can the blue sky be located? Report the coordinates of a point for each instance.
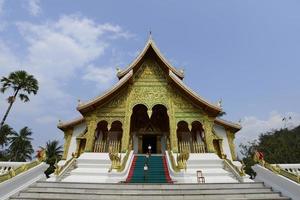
(245, 52)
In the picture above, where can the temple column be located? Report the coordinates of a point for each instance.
(230, 138)
(221, 148)
(208, 126)
(77, 152)
(126, 131)
(90, 135)
(67, 138)
(173, 135)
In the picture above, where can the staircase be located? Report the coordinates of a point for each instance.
(82, 191)
(157, 170)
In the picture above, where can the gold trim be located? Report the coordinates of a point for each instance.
(230, 137)
(67, 137)
(275, 168)
(14, 172)
(150, 43)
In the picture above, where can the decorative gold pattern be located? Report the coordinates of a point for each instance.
(230, 137)
(59, 169)
(67, 136)
(125, 159)
(208, 129)
(240, 171)
(149, 86)
(114, 155)
(276, 169)
(14, 172)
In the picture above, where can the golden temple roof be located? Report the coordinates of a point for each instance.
(150, 44)
(175, 77)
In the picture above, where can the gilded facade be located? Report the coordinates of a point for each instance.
(150, 106)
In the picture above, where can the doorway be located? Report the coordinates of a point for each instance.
(149, 140)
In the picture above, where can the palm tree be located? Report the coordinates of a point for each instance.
(20, 147)
(5, 132)
(53, 155)
(22, 84)
(53, 152)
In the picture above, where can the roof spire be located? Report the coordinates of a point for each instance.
(150, 34)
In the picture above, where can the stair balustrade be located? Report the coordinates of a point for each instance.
(191, 147)
(113, 150)
(198, 147)
(110, 146)
(100, 146)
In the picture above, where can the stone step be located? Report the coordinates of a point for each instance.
(209, 171)
(149, 191)
(213, 191)
(149, 186)
(90, 171)
(58, 195)
(85, 178)
(205, 165)
(177, 198)
(101, 165)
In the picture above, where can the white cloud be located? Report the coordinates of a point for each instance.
(57, 53)
(59, 49)
(102, 76)
(34, 7)
(8, 61)
(253, 127)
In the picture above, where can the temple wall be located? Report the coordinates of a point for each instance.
(221, 132)
(73, 145)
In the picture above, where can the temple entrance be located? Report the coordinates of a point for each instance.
(149, 140)
(149, 128)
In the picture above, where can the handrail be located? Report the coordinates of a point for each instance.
(278, 170)
(259, 158)
(14, 172)
(234, 169)
(60, 170)
(174, 166)
(182, 158)
(125, 159)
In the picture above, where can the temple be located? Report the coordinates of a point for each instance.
(150, 106)
(148, 136)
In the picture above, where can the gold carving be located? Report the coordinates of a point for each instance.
(230, 138)
(149, 87)
(67, 137)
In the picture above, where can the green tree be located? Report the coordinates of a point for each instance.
(20, 147)
(53, 152)
(4, 155)
(278, 146)
(53, 155)
(22, 85)
(5, 132)
(248, 151)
